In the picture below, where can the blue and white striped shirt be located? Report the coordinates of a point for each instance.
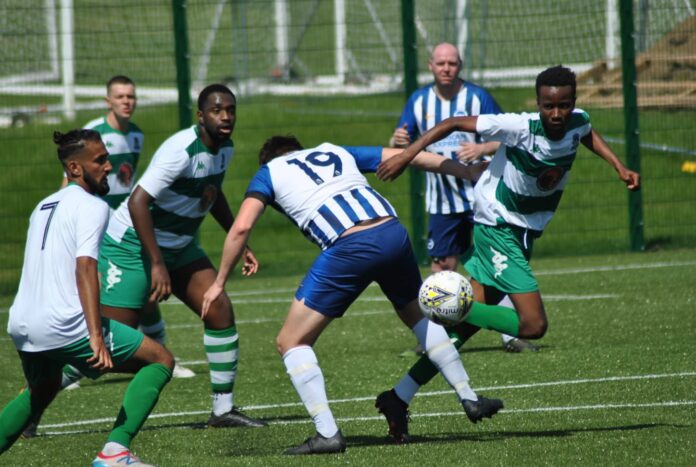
(446, 194)
(322, 189)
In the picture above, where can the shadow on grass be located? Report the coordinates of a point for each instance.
(356, 441)
(502, 435)
(410, 353)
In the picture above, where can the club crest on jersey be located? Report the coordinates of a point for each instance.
(207, 198)
(136, 144)
(125, 174)
(550, 178)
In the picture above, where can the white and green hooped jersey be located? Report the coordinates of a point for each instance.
(524, 182)
(184, 178)
(124, 151)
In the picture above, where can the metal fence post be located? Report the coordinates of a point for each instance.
(416, 177)
(631, 128)
(181, 53)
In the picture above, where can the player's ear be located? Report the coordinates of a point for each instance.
(73, 168)
(199, 116)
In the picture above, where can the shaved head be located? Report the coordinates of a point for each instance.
(447, 51)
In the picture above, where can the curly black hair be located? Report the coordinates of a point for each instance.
(556, 76)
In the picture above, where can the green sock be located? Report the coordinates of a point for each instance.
(495, 317)
(13, 419)
(152, 325)
(423, 370)
(141, 396)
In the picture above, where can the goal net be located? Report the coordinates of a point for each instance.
(302, 46)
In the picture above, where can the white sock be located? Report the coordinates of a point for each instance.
(407, 388)
(444, 356)
(111, 448)
(305, 374)
(155, 331)
(222, 402)
(507, 303)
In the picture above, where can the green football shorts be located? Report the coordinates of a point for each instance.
(500, 258)
(121, 340)
(125, 269)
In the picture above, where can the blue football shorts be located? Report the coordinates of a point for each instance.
(449, 234)
(341, 272)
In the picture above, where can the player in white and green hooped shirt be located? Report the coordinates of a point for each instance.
(122, 138)
(150, 250)
(515, 199)
(124, 142)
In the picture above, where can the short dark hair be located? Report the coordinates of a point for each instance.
(73, 141)
(118, 79)
(211, 89)
(556, 76)
(276, 146)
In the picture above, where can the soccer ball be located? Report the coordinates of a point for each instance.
(445, 298)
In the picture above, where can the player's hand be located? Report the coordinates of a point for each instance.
(394, 166)
(630, 178)
(468, 152)
(161, 287)
(401, 138)
(101, 358)
(209, 297)
(251, 264)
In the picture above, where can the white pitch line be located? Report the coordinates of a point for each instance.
(549, 298)
(624, 267)
(354, 314)
(433, 414)
(434, 393)
(551, 272)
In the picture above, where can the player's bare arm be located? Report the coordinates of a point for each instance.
(88, 290)
(473, 151)
(223, 215)
(390, 169)
(435, 163)
(235, 245)
(139, 207)
(595, 143)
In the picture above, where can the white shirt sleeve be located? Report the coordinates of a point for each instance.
(92, 217)
(506, 128)
(163, 170)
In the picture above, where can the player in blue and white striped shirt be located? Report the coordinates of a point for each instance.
(449, 200)
(324, 193)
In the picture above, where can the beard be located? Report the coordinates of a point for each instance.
(96, 187)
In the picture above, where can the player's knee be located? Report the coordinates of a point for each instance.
(533, 328)
(220, 315)
(166, 359)
(283, 344)
(160, 354)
